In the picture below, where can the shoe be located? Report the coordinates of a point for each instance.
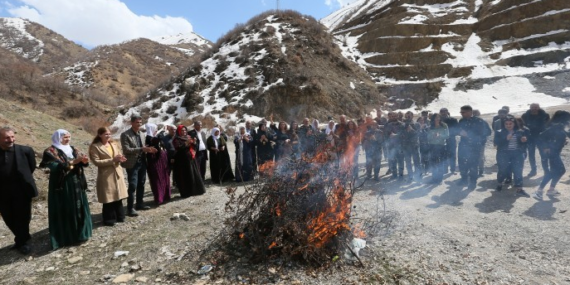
(142, 208)
(132, 213)
(461, 182)
(537, 195)
(376, 179)
(109, 223)
(499, 187)
(508, 181)
(522, 193)
(24, 249)
(120, 220)
(532, 173)
(552, 192)
(471, 187)
(389, 172)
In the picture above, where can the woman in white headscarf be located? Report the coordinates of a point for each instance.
(157, 166)
(68, 213)
(220, 165)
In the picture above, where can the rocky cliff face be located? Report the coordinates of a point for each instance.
(426, 51)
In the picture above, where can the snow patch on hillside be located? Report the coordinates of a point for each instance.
(15, 37)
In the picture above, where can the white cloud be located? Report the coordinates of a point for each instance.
(97, 22)
(338, 3)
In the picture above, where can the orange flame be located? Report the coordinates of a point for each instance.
(267, 168)
(357, 231)
(273, 244)
(331, 220)
(242, 235)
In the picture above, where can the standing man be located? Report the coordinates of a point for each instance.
(392, 139)
(535, 120)
(134, 149)
(450, 163)
(200, 147)
(17, 164)
(473, 131)
(488, 131)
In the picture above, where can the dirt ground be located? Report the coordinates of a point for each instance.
(437, 235)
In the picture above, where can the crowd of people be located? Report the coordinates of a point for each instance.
(433, 144)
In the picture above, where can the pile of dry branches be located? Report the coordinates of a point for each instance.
(299, 209)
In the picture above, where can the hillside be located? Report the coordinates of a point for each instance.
(439, 53)
(284, 64)
(118, 74)
(49, 50)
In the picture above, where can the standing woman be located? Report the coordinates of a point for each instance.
(293, 135)
(244, 160)
(511, 149)
(111, 187)
(551, 141)
(264, 142)
(220, 167)
(157, 166)
(68, 208)
(282, 141)
(187, 175)
(437, 136)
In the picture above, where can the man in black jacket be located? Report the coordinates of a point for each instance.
(474, 132)
(17, 164)
(535, 120)
(201, 150)
(451, 143)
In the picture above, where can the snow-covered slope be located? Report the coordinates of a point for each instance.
(285, 64)
(14, 37)
(188, 43)
(447, 53)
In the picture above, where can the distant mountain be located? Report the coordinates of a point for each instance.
(120, 73)
(43, 70)
(284, 64)
(444, 53)
(39, 44)
(189, 43)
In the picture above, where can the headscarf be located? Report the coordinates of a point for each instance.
(315, 125)
(216, 138)
(330, 130)
(56, 141)
(150, 129)
(180, 133)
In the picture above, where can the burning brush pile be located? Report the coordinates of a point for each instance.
(299, 209)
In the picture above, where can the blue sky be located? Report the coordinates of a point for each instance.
(95, 22)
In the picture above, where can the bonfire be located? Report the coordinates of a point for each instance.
(299, 209)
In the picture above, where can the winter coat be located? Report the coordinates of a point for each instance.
(535, 123)
(111, 185)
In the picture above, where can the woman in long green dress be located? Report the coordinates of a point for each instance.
(68, 208)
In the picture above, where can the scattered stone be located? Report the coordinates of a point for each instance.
(102, 245)
(272, 270)
(205, 269)
(135, 268)
(123, 278)
(179, 216)
(30, 280)
(29, 258)
(74, 260)
(141, 279)
(125, 264)
(121, 253)
(51, 268)
(85, 272)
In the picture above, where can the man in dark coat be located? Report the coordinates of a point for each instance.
(17, 164)
(474, 132)
(200, 147)
(132, 142)
(535, 120)
(451, 143)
